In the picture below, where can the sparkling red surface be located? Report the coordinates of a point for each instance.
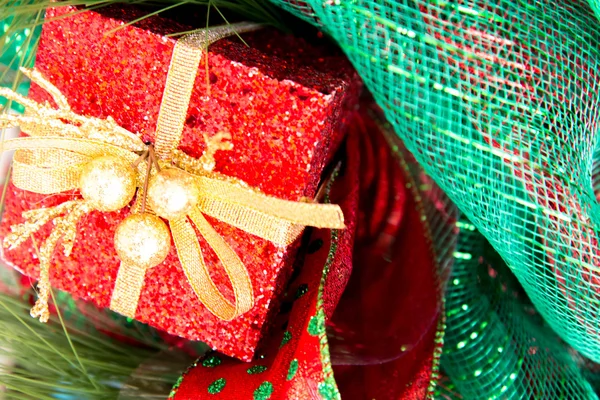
(284, 103)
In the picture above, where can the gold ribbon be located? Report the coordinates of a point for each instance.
(61, 143)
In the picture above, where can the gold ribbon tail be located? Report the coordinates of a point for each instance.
(127, 290)
(279, 221)
(197, 273)
(50, 165)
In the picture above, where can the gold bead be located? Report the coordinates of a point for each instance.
(142, 239)
(172, 193)
(107, 183)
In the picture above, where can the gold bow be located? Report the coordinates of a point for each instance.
(61, 144)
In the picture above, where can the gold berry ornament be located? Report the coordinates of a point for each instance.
(172, 193)
(107, 183)
(142, 239)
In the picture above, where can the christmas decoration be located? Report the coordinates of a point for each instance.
(496, 101)
(495, 341)
(104, 161)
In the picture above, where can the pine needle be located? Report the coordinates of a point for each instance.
(135, 21)
(62, 324)
(48, 359)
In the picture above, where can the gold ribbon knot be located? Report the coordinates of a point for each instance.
(62, 145)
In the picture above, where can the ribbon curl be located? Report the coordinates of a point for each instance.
(61, 143)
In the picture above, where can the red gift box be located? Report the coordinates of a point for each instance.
(284, 103)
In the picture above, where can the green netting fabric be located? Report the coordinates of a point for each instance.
(498, 100)
(496, 345)
(17, 48)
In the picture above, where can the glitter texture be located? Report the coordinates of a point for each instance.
(217, 386)
(172, 193)
(315, 326)
(175, 387)
(256, 369)
(282, 101)
(264, 391)
(142, 239)
(293, 369)
(328, 391)
(107, 183)
(287, 336)
(211, 362)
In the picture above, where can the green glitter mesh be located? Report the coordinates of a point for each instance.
(264, 391)
(256, 369)
(287, 336)
(292, 370)
(496, 345)
(450, 76)
(217, 386)
(17, 48)
(482, 289)
(446, 390)
(211, 361)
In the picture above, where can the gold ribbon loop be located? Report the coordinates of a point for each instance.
(234, 267)
(196, 271)
(35, 179)
(49, 158)
(32, 169)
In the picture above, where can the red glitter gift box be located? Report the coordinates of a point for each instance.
(283, 101)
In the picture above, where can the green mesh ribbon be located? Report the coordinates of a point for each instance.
(17, 49)
(496, 345)
(498, 101)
